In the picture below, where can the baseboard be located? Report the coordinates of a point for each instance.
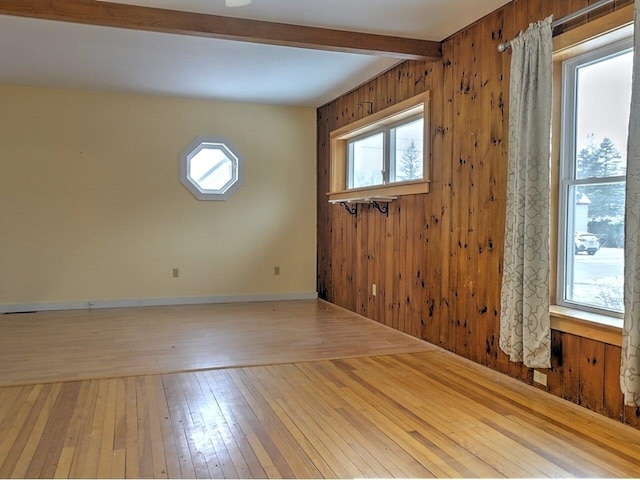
(154, 302)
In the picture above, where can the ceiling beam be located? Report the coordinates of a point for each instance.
(135, 17)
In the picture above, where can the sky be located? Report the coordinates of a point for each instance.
(604, 96)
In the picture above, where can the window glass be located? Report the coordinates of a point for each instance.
(211, 169)
(407, 151)
(596, 256)
(603, 105)
(367, 161)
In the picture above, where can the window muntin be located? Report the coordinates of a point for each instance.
(210, 168)
(595, 113)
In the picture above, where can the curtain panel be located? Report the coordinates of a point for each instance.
(630, 363)
(525, 331)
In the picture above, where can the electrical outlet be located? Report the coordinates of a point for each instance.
(176, 272)
(276, 270)
(374, 290)
(540, 378)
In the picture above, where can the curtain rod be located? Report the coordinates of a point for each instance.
(561, 21)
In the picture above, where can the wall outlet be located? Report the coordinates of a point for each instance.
(176, 272)
(276, 270)
(374, 290)
(540, 378)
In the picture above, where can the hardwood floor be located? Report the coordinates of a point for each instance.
(424, 413)
(88, 344)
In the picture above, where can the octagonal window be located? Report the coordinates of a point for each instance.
(210, 168)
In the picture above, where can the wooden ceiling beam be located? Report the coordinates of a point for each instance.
(135, 17)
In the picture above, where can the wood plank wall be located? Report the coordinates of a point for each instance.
(436, 258)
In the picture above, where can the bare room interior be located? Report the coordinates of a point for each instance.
(319, 239)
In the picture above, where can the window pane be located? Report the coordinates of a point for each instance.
(595, 257)
(219, 177)
(366, 161)
(602, 116)
(407, 154)
(211, 169)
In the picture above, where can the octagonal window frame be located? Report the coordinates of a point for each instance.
(211, 142)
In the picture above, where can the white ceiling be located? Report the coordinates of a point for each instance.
(64, 55)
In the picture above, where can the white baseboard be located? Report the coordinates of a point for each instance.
(154, 302)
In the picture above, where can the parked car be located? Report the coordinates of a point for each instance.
(587, 242)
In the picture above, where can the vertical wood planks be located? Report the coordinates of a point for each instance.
(613, 398)
(389, 285)
(592, 374)
(488, 153)
(431, 281)
(456, 205)
(474, 337)
(417, 266)
(443, 304)
(554, 374)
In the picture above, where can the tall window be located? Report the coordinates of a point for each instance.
(596, 100)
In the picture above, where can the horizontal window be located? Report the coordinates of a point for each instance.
(383, 154)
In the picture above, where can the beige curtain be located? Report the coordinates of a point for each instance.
(630, 368)
(525, 332)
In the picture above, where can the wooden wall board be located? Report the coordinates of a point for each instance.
(444, 215)
(613, 398)
(555, 373)
(591, 375)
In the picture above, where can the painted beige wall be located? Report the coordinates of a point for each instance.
(92, 208)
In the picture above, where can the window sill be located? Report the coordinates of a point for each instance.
(392, 190)
(588, 325)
